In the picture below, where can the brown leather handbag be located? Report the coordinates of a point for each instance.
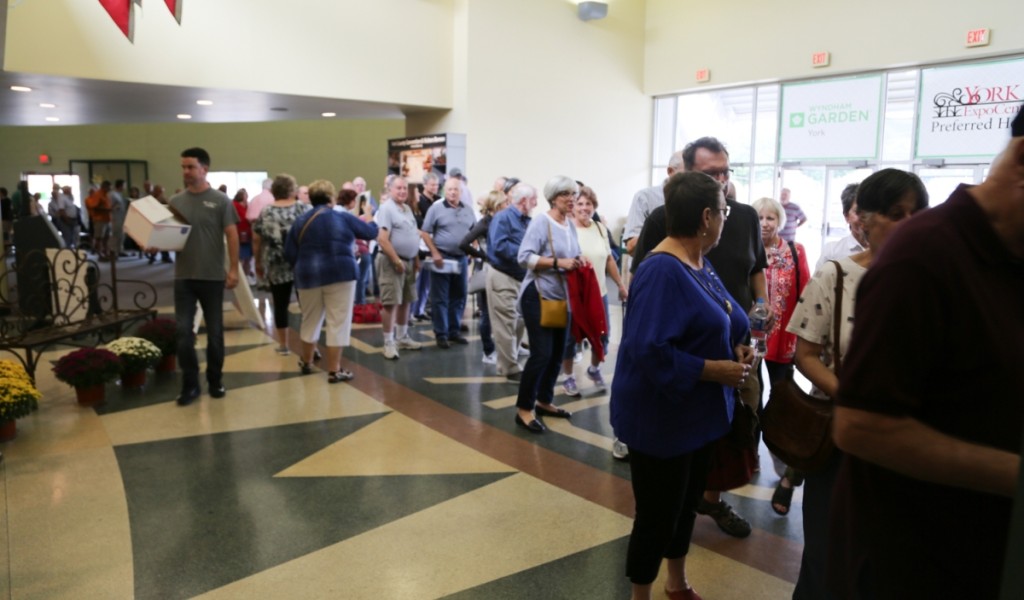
(797, 427)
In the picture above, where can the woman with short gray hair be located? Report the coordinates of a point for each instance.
(548, 250)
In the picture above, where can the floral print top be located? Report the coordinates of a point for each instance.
(782, 296)
(272, 227)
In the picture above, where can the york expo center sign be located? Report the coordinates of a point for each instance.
(837, 119)
(966, 110)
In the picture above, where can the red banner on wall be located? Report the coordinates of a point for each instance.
(123, 13)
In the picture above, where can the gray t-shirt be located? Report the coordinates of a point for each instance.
(209, 213)
(447, 226)
(401, 225)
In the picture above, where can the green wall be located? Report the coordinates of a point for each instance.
(336, 150)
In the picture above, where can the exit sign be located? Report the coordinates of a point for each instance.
(703, 75)
(978, 37)
(821, 59)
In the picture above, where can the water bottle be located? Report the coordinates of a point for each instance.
(759, 327)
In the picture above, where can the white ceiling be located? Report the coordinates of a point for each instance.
(88, 101)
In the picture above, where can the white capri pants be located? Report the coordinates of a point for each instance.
(331, 302)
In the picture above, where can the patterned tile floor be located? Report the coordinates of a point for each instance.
(409, 482)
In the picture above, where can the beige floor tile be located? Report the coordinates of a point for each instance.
(394, 445)
(68, 521)
(511, 525)
(295, 400)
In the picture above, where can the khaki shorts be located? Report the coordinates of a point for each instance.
(395, 288)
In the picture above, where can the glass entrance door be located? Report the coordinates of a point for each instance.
(941, 181)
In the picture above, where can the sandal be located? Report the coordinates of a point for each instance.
(305, 367)
(339, 376)
(783, 497)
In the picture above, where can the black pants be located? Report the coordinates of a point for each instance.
(281, 294)
(667, 491)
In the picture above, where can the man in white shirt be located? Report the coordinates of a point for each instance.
(645, 201)
(853, 242)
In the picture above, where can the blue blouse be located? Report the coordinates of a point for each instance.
(659, 405)
(325, 254)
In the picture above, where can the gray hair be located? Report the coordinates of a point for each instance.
(675, 162)
(430, 176)
(521, 192)
(267, 183)
(771, 204)
(558, 185)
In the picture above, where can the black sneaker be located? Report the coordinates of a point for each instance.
(443, 344)
(218, 391)
(458, 339)
(188, 396)
(514, 377)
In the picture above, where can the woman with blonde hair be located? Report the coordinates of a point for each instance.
(475, 245)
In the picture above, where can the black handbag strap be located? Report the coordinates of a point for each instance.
(837, 318)
(796, 264)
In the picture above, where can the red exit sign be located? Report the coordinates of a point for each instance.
(703, 75)
(978, 37)
(821, 59)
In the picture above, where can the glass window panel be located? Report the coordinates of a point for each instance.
(766, 133)
(762, 183)
(664, 130)
(940, 183)
(900, 111)
(740, 179)
(725, 114)
(807, 189)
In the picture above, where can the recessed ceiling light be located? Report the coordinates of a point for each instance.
(53, 119)
(204, 102)
(184, 116)
(20, 88)
(47, 105)
(278, 109)
(328, 114)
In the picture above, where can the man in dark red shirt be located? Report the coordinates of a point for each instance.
(931, 400)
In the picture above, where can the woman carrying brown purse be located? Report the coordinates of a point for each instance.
(884, 199)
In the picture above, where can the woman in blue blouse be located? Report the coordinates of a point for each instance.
(548, 250)
(320, 248)
(680, 360)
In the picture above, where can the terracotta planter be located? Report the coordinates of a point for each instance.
(93, 395)
(167, 364)
(135, 379)
(8, 430)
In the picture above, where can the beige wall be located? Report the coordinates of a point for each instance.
(353, 49)
(546, 94)
(751, 40)
(334, 150)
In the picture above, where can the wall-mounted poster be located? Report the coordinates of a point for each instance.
(966, 110)
(836, 119)
(414, 157)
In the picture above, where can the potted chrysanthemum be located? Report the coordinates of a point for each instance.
(164, 335)
(136, 356)
(87, 370)
(18, 398)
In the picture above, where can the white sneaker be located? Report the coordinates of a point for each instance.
(620, 451)
(577, 358)
(391, 350)
(523, 351)
(490, 359)
(570, 386)
(407, 343)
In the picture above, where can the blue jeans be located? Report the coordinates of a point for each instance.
(210, 296)
(448, 301)
(363, 279)
(545, 362)
(422, 289)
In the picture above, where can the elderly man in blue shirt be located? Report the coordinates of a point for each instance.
(446, 223)
(506, 274)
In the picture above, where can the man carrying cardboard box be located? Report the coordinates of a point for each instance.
(199, 274)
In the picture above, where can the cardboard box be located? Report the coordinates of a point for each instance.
(153, 225)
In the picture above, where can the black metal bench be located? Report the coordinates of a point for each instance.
(61, 297)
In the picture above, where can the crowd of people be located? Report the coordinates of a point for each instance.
(922, 427)
(922, 417)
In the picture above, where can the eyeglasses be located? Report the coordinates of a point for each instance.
(718, 173)
(571, 195)
(725, 211)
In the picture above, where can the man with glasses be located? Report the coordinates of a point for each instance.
(740, 262)
(931, 400)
